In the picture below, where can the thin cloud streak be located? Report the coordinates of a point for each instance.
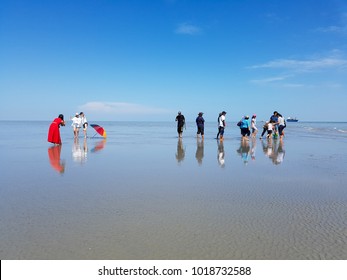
(333, 29)
(187, 29)
(303, 65)
(270, 80)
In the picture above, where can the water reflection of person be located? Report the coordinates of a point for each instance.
(279, 152)
(79, 154)
(220, 153)
(54, 159)
(244, 151)
(253, 148)
(274, 150)
(180, 154)
(199, 155)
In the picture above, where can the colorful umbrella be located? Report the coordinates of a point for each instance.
(99, 130)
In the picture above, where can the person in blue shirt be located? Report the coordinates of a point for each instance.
(245, 128)
(274, 121)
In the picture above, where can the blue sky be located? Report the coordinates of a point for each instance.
(145, 60)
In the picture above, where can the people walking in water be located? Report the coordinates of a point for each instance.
(274, 121)
(200, 123)
(76, 125)
(281, 125)
(245, 128)
(84, 123)
(270, 127)
(54, 132)
(254, 126)
(264, 129)
(221, 125)
(218, 120)
(181, 121)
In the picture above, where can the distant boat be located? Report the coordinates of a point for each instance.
(292, 119)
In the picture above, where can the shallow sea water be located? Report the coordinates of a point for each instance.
(145, 194)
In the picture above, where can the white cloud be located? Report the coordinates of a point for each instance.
(187, 29)
(116, 108)
(303, 65)
(269, 80)
(337, 29)
(334, 29)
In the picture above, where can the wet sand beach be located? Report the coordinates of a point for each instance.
(145, 194)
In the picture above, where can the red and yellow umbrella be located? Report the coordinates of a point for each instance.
(99, 130)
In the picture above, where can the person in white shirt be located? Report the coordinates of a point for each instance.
(222, 125)
(76, 125)
(269, 130)
(281, 125)
(254, 126)
(84, 124)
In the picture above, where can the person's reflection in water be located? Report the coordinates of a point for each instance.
(220, 154)
(274, 150)
(180, 154)
(253, 148)
(267, 147)
(278, 152)
(54, 159)
(79, 154)
(244, 150)
(199, 155)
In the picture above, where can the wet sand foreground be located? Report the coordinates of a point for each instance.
(145, 194)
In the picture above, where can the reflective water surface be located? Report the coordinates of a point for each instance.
(145, 194)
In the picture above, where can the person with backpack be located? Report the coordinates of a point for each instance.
(245, 128)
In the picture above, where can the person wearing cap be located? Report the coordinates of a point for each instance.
(76, 124)
(84, 124)
(254, 126)
(221, 125)
(245, 128)
(200, 122)
(181, 121)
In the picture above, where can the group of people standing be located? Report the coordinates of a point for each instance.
(181, 123)
(248, 127)
(200, 123)
(78, 121)
(275, 126)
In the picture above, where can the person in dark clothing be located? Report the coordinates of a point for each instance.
(200, 122)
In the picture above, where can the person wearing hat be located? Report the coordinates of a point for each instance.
(200, 122)
(76, 124)
(254, 126)
(245, 128)
(221, 125)
(181, 121)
